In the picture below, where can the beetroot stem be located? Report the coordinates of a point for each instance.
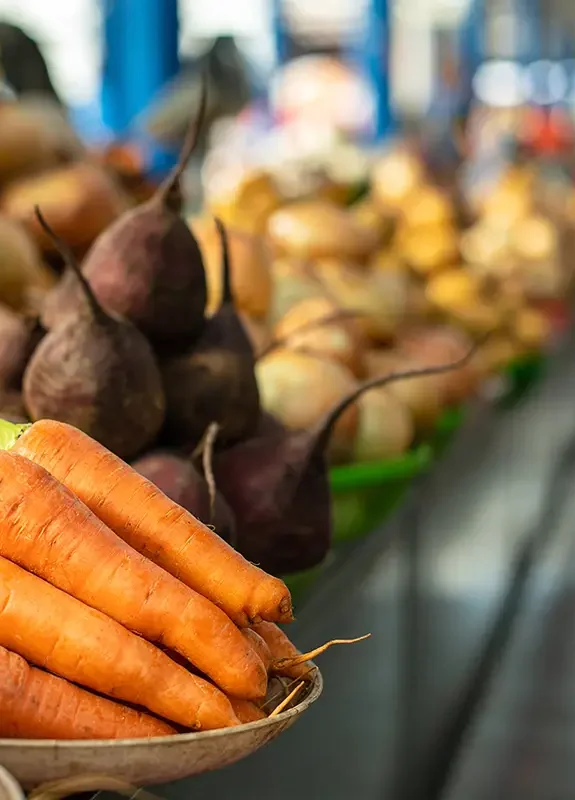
(227, 292)
(325, 426)
(72, 263)
(207, 458)
(168, 192)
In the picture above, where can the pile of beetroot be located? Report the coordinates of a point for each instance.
(124, 350)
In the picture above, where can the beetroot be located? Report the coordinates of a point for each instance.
(277, 486)
(97, 372)
(147, 266)
(12, 407)
(18, 336)
(177, 478)
(215, 381)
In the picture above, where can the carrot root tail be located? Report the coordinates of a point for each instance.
(286, 701)
(294, 661)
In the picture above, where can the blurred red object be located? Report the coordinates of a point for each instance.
(558, 313)
(547, 131)
(127, 162)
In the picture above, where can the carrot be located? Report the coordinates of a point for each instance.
(53, 630)
(51, 533)
(37, 705)
(246, 711)
(259, 645)
(152, 523)
(280, 647)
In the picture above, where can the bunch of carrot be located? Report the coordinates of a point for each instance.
(122, 615)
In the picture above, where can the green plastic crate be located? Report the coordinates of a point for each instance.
(446, 427)
(364, 495)
(301, 583)
(523, 374)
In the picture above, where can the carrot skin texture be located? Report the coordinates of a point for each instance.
(56, 632)
(246, 711)
(281, 647)
(154, 525)
(37, 705)
(51, 533)
(260, 646)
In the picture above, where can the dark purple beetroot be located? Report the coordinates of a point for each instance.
(12, 407)
(178, 478)
(97, 372)
(147, 266)
(18, 336)
(277, 485)
(215, 381)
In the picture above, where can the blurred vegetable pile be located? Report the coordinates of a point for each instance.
(415, 274)
(228, 353)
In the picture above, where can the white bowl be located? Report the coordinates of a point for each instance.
(144, 762)
(9, 787)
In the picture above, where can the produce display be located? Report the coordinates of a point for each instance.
(197, 406)
(138, 602)
(230, 367)
(186, 396)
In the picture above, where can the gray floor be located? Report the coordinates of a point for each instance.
(522, 743)
(478, 510)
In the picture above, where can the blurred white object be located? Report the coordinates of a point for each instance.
(10, 789)
(324, 91)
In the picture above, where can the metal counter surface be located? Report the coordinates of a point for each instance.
(476, 510)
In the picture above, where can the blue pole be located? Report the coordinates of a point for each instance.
(279, 51)
(472, 36)
(279, 34)
(468, 45)
(472, 49)
(373, 60)
(140, 58)
(531, 29)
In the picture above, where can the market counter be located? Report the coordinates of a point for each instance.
(392, 695)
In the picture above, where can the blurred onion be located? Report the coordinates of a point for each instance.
(385, 428)
(381, 297)
(424, 397)
(340, 340)
(299, 389)
(249, 265)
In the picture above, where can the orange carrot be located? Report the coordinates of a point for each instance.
(37, 705)
(152, 523)
(246, 711)
(260, 646)
(280, 647)
(53, 630)
(51, 533)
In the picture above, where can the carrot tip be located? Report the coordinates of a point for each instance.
(286, 607)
